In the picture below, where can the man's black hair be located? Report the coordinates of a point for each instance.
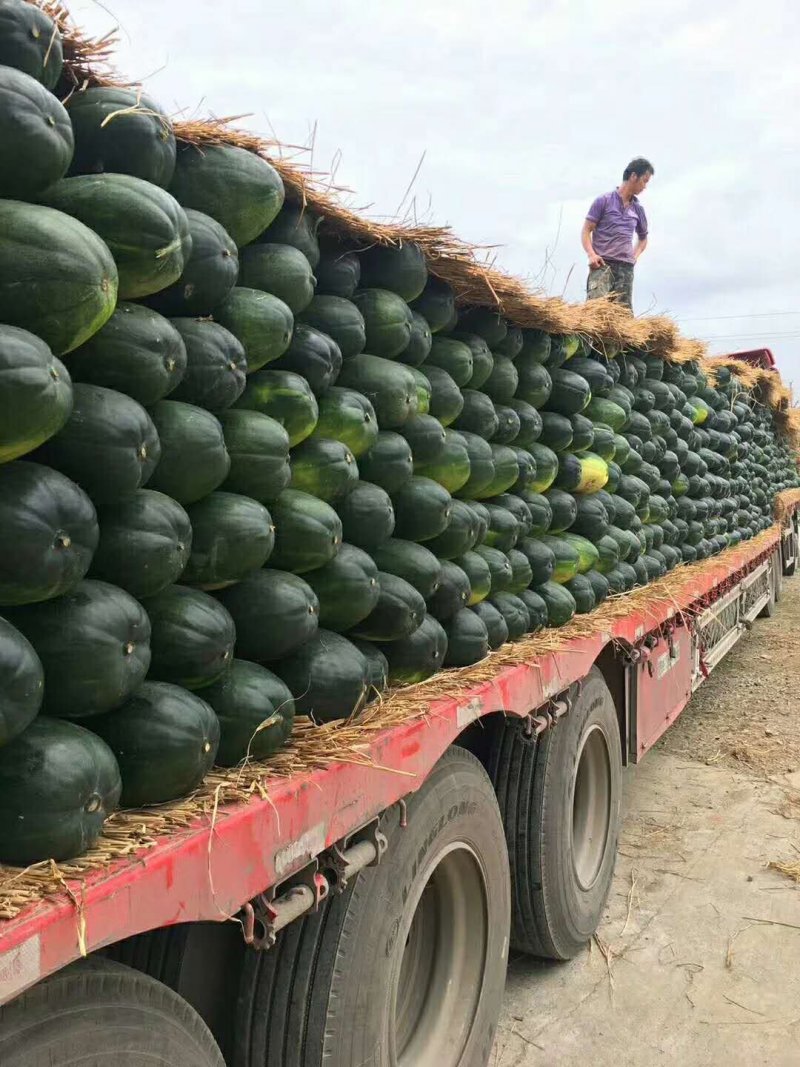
(638, 166)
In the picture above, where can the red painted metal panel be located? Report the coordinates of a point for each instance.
(663, 685)
(208, 873)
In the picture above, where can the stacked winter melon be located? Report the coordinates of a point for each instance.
(249, 470)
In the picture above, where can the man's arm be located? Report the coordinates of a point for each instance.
(641, 244)
(595, 261)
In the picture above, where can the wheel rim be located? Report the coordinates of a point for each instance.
(440, 977)
(591, 807)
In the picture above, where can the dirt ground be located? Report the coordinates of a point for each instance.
(697, 960)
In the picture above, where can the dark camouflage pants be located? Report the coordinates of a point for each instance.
(614, 280)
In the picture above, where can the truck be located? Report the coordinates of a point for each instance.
(361, 908)
(349, 898)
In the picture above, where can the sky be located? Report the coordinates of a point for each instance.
(508, 118)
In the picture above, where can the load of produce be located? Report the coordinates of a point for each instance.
(250, 470)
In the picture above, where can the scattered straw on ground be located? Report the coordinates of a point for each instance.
(791, 870)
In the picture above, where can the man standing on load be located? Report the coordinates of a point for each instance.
(607, 235)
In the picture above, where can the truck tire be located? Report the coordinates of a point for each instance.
(97, 1013)
(559, 796)
(200, 961)
(406, 967)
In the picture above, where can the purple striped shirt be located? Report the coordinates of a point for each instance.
(616, 225)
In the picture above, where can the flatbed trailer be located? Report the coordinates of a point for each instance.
(315, 851)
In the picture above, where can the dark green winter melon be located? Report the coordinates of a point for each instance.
(338, 272)
(547, 465)
(278, 269)
(607, 412)
(165, 740)
(57, 278)
(109, 445)
(138, 352)
(537, 610)
(327, 676)
(258, 447)
(495, 623)
(424, 391)
(285, 397)
(536, 346)
(521, 570)
(255, 710)
(390, 387)
(582, 433)
(399, 268)
(567, 558)
(347, 416)
(511, 344)
(398, 613)
(236, 187)
(340, 319)
(477, 415)
(570, 394)
(436, 303)
(452, 467)
(232, 535)
(508, 425)
(452, 593)
(410, 561)
(502, 577)
(540, 510)
(503, 531)
(215, 365)
(21, 683)
(36, 135)
(488, 324)
(540, 557)
(481, 513)
(518, 508)
(314, 356)
(446, 398)
(347, 588)
(588, 554)
(505, 475)
(57, 812)
(30, 41)
(467, 639)
(194, 460)
(584, 473)
(591, 517)
(556, 431)
(36, 389)
(296, 226)
(387, 321)
(324, 468)
(459, 536)
(480, 576)
(262, 323)
(208, 275)
(563, 508)
(560, 603)
(121, 131)
(367, 516)
(426, 438)
(106, 657)
(389, 463)
(482, 470)
(535, 384)
(501, 385)
(145, 229)
(582, 592)
(192, 639)
(514, 613)
(308, 532)
(414, 658)
(482, 358)
(530, 423)
(377, 667)
(452, 356)
(419, 343)
(274, 613)
(145, 542)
